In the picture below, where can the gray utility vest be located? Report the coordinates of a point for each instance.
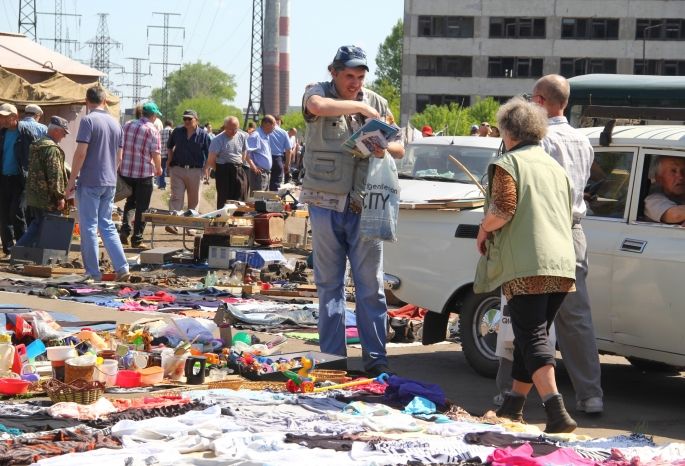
(328, 167)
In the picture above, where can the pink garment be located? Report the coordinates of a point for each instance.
(351, 332)
(130, 305)
(522, 456)
(69, 409)
(149, 402)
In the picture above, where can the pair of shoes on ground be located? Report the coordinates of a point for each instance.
(134, 245)
(592, 405)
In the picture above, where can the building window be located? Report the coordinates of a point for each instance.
(501, 99)
(424, 100)
(571, 67)
(660, 67)
(514, 67)
(517, 28)
(452, 66)
(660, 29)
(589, 28)
(445, 26)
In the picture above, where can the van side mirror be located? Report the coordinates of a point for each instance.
(605, 135)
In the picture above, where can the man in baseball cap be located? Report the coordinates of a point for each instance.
(350, 56)
(8, 109)
(426, 131)
(151, 109)
(32, 115)
(60, 122)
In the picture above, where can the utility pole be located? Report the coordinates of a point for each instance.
(27, 18)
(135, 84)
(102, 44)
(254, 104)
(59, 44)
(165, 53)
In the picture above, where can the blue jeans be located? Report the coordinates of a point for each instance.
(161, 179)
(335, 236)
(95, 213)
(32, 235)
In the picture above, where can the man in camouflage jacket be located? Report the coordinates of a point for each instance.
(47, 179)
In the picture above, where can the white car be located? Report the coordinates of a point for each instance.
(636, 266)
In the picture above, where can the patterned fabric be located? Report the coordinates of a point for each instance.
(503, 205)
(141, 141)
(47, 179)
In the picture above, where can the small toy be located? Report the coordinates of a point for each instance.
(382, 378)
(307, 365)
(297, 383)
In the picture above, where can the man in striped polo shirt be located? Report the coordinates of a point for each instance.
(141, 161)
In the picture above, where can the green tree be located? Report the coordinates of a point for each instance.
(294, 120)
(209, 109)
(454, 120)
(389, 57)
(191, 81)
(484, 110)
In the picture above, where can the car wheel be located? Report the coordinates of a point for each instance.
(646, 365)
(478, 323)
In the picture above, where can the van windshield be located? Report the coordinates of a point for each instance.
(433, 162)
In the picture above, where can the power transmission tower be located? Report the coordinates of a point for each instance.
(59, 44)
(135, 84)
(165, 53)
(27, 18)
(254, 104)
(102, 44)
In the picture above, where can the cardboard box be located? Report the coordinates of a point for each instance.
(322, 361)
(240, 240)
(159, 256)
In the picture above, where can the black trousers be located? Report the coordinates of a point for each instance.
(139, 201)
(276, 172)
(12, 210)
(531, 317)
(231, 183)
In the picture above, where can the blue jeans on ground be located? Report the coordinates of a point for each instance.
(95, 213)
(161, 179)
(335, 237)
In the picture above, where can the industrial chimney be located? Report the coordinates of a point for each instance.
(270, 78)
(284, 56)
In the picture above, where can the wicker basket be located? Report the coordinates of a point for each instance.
(270, 386)
(79, 391)
(322, 375)
(232, 384)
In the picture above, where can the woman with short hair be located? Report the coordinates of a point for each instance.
(527, 249)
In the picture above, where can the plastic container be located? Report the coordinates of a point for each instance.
(151, 375)
(128, 379)
(13, 386)
(35, 349)
(61, 353)
(6, 356)
(107, 372)
(81, 367)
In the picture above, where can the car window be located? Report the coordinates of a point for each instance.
(606, 192)
(654, 197)
(424, 161)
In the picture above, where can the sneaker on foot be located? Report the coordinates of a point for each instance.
(171, 229)
(140, 245)
(379, 369)
(124, 240)
(592, 405)
(123, 276)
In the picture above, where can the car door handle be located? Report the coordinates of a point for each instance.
(633, 245)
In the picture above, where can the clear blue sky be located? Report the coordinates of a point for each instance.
(219, 31)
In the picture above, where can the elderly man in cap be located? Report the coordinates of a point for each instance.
(32, 115)
(188, 148)
(47, 179)
(141, 161)
(334, 187)
(15, 139)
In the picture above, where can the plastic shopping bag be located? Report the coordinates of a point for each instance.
(382, 201)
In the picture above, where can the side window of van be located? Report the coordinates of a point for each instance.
(606, 192)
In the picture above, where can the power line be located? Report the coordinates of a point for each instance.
(165, 53)
(27, 18)
(101, 46)
(254, 104)
(135, 84)
(60, 45)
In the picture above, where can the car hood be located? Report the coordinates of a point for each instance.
(427, 191)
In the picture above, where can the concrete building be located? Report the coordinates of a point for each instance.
(462, 50)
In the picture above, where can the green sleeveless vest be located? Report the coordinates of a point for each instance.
(537, 241)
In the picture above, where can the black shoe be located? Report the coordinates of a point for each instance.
(558, 419)
(379, 369)
(512, 407)
(124, 240)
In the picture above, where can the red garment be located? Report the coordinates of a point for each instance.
(408, 312)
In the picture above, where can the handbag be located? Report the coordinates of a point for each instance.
(381, 201)
(123, 190)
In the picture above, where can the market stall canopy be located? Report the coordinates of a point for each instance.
(57, 89)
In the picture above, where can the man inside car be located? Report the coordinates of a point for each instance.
(666, 201)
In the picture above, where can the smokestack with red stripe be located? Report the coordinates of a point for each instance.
(270, 84)
(284, 56)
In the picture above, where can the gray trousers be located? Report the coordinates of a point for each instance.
(259, 182)
(575, 333)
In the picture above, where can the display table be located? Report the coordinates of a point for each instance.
(179, 221)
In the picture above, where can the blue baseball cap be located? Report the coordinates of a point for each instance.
(351, 56)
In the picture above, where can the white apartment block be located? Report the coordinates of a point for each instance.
(460, 50)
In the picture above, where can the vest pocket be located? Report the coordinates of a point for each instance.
(335, 129)
(329, 171)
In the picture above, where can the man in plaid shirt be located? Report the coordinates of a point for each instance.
(141, 161)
